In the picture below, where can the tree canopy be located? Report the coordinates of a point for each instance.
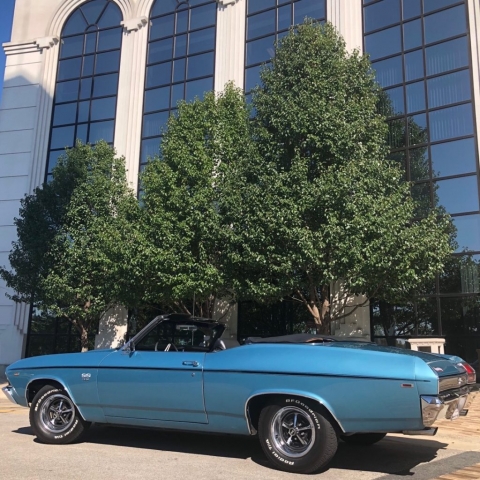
(73, 257)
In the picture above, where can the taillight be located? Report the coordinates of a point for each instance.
(472, 377)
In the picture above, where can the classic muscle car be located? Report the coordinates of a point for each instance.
(299, 393)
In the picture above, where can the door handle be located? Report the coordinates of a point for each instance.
(190, 363)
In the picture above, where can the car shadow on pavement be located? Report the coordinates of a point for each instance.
(392, 455)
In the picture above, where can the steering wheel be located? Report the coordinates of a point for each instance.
(169, 346)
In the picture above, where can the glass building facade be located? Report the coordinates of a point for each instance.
(420, 52)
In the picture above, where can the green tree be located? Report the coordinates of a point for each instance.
(75, 237)
(184, 190)
(320, 202)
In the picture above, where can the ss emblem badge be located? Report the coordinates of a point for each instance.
(86, 376)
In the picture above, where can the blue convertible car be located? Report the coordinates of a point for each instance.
(299, 393)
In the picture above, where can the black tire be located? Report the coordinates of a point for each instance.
(363, 438)
(313, 439)
(55, 418)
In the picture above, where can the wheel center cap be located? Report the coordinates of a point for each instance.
(292, 432)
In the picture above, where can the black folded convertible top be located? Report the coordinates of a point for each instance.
(304, 338)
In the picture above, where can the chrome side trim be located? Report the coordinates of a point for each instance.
(252, 430)
(8, 393)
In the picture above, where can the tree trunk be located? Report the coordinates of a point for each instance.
(83, 338)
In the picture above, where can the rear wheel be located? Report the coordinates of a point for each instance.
(295, 436)
(363, 438)
(54, 417)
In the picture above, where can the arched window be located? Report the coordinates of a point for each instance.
(180, 62)
(268, 21)
(87, 78)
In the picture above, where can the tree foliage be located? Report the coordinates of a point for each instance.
(73, 255)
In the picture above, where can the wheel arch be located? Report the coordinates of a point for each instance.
(37, 383)
(259, 400)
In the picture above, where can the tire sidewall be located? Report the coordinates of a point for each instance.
(42, 433)
(321, 451)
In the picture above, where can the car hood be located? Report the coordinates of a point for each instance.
(92, 358)
(442, 364)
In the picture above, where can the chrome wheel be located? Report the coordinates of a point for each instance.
(57, 413)
(293, 432)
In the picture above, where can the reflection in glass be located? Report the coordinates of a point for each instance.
(445, 24)
(421, 193)
(448, 89)
(447, 56)
(388, 72)
(461, 275)
(468, 232)
(415, 97)
(383, 43)
(381, 14)
(396, 100)
(412, 34)
(414, 65)
(411, 8)
(417, 129)
(458, 195)
(451, 122)
(453, 158)
(419, 164)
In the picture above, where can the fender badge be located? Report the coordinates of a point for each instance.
(86, 376)
(438, 369)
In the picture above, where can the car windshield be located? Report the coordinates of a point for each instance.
(169, 335)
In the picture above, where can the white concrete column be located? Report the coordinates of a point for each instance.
(230, 46)
(346, 15)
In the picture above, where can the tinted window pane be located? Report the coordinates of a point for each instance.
(310, 9)
(388, 72)
(445, 24)
(201, 41)
(105, 85)
(468, 232)
(396, 100)
(451, 122)
(453, 158)
(107, 62)
(109, 39)
(161, 7)
(69, 68)
(384, 43)
(415, 97)
(65, 114)
(252, 77)
(429, 5)
(88, 64)
(182, 22)
(157, 99)
(461, 275)
(197, 88)
(381, 14)
(448, 89)
(150, 149)
(159, 74)
(257, 5)
(66, 91)
(181, 44)
(75, 24)
(261, 24)
(419, 164)
(83, 111)
(200, 66)
(412, 34)
(90, 42)
(71, 46)
(53, 159)
(62, 137)
(178, 93)
(82, 131)
(111, 17)
(101, 131)
(458, 195)
(153, 124)
(411, 8)
(160, 51)
(162, 27)
(92, 10)
(203, 16)
(179, 70)
(414, 65)
(417, 129)
(447, 56)
(103, 108)
(260, 50)
(86, 88)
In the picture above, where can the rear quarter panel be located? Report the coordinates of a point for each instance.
(362, 389)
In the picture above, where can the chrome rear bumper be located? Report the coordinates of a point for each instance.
(8, 393)
(447, 405)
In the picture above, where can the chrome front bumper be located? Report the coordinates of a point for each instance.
(447, 405)
(8, 393)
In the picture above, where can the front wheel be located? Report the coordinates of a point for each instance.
(364, 439)
(54, 417)
(296, 437)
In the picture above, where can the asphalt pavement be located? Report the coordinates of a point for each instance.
(126, 453)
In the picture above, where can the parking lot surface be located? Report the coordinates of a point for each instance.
(126, 453)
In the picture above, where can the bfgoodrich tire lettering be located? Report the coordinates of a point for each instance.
(295, 436)
(54, 417)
